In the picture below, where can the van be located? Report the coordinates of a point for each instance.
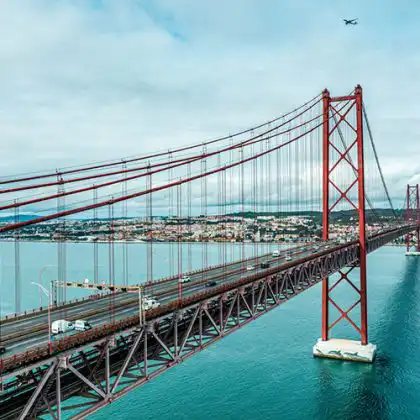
(61, 326)
(82, 325)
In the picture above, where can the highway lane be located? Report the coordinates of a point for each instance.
(118, 298)
(234, 273)
(104, 302)
(41, 337)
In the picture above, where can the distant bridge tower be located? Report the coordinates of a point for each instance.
(412, 215)
(344, 115)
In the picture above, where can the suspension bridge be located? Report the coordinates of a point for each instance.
(312, 174)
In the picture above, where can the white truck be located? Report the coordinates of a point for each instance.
(61, 326)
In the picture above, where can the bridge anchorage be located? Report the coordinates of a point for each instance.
(311, 163)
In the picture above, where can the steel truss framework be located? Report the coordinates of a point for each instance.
(413, 215)
(91, 376)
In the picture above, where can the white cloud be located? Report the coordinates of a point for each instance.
(92, 80)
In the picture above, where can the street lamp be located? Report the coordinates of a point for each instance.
(41, 272)
(49, 296)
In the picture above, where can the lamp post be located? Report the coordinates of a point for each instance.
(41, 272)
(49, 296)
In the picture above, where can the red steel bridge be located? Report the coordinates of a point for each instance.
(312, 174)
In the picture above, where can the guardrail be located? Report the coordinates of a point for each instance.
(43, 310)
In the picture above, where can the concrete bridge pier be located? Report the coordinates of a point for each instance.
(337, 348)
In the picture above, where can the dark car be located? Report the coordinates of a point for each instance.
(2, 349)
(211, 283)
(265, 265)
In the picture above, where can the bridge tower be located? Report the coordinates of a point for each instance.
(339, 114)
(412, 215)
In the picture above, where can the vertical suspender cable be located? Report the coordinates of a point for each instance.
(17, 263)
(95, 239)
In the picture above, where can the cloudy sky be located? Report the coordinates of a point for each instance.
(91, 80)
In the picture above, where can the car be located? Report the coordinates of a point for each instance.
(265, 265)
(2, 349)
(185, 279)
(150, 303)
(250, 268)
(276, 253)
(288, 258)
(82, 325)
(211, 283)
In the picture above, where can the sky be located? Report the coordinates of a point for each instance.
(92, 80)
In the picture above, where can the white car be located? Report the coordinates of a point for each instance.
(250, 268)
(185, 279)
(82, 325)
(288, 258)
(150, 304)
(276, 253)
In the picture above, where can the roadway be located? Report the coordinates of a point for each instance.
(21, 335)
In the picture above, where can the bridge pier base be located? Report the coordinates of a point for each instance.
(342, 349)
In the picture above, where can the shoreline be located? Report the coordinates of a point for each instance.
(140, 241)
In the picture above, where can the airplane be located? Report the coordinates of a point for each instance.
(351, 21)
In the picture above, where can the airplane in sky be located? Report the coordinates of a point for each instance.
(351, 21)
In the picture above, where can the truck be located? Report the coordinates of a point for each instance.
(61, 326)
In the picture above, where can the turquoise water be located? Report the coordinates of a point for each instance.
(266, 369)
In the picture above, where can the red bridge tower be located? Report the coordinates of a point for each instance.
(412, 215)
(344, 114)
